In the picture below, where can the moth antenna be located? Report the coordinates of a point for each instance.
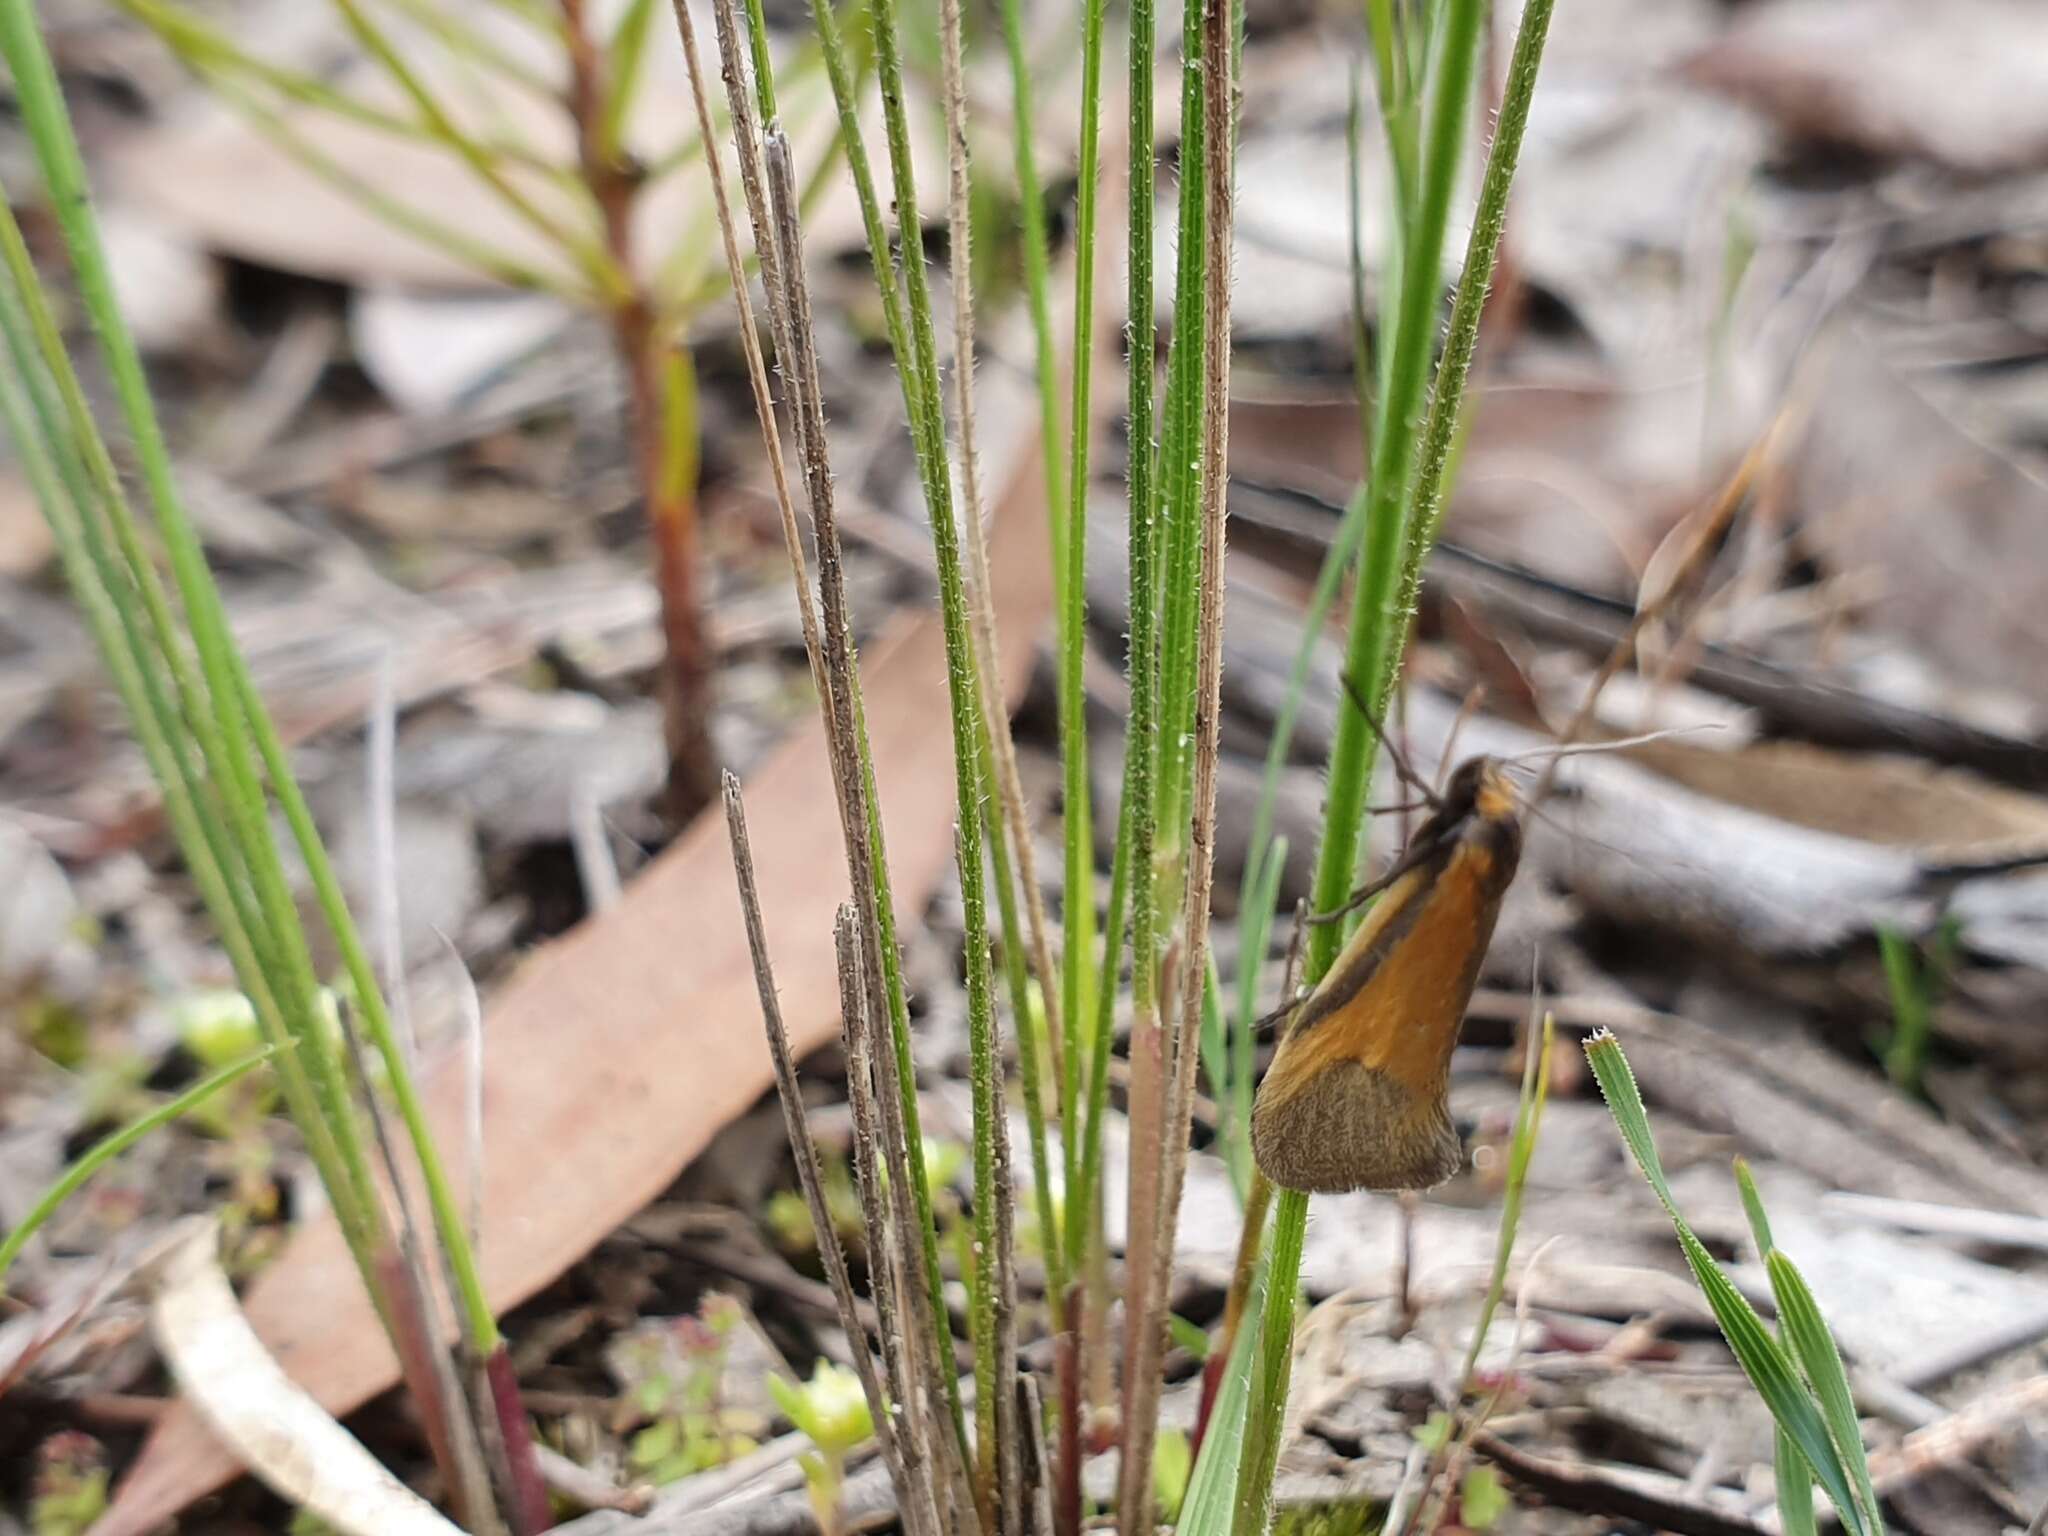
(1620, 744)
(1403, 769)
(1466, 710)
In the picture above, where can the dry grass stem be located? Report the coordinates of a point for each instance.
(804, 1147)
(885, 1259)
(735, 268)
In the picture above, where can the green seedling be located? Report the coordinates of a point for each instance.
(679, 1393)
(70, 1490)
(832, 1409)
(1801, 1380)
(1914, 975)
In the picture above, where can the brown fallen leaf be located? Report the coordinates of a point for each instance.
(617, 1053)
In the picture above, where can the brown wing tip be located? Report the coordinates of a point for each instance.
(1350, 1127)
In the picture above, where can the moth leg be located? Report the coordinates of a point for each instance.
(1371, 888)
(1403, 769)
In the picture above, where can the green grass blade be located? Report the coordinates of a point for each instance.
(1180, 475)
(105, 1151)
(1905, 1053)
(1753, 1208)
(1521, 1148)
(1442, 434)
(1373, 651)
(1272, 1366)
(1814, 1345)
(239, 713)
(1037, 284)
(1077, 954)
(1764, 1361)
(1795, 1488)
(1794, 1476)
(1029, 1045)
(51, 459)
(1211, 1501)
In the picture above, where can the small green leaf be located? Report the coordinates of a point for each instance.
(832, 1407)
(1173, 1462)
(1434, 1433)
(1482, 1498)
(656, 1443)
(105, 1151)
(1185, 1334)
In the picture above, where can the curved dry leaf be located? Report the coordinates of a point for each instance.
(277, 1431)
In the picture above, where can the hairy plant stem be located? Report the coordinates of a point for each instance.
(1149, 1120)
(1079, 882)
(996, 760)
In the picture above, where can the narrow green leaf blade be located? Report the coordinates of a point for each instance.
(1763, 1360)
(1795, 1490)
(1807, 1332)
(105, 1151)
(1753, 1208)
(1211, 1499)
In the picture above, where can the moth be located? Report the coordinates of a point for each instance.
(1356, 1095)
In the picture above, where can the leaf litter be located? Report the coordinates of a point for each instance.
(1737, 208)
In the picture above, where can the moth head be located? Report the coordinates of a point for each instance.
(1479, 786)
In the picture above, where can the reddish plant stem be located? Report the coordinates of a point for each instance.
(415, 1364)
(1067, 1382)
(529, 1491)
(661, 468)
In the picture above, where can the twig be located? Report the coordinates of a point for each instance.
(1705, 539)
(2004, 1228)
(592, 1490)
(1930, 1370)
(1959, 1436)
(805, 1149)
(1587, 1488)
